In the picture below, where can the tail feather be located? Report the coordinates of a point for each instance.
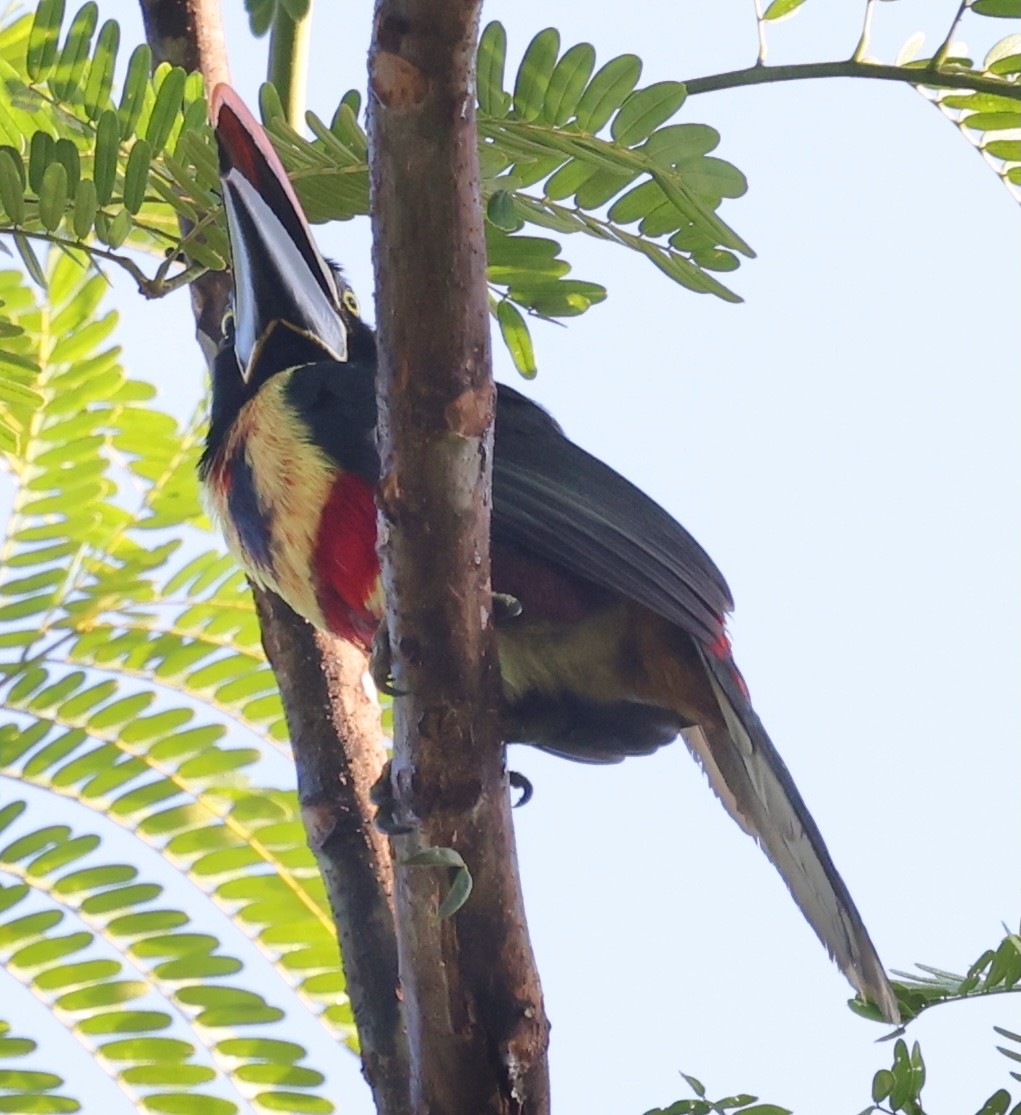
(755, 786)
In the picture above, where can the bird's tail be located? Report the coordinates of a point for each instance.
(753, 783)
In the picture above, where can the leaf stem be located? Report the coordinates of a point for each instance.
(943, 53)
(866, 33)
(910, 75)
(760, 27)
(288, 62)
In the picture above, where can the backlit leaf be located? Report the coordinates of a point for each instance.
(534, 73)
(607, 91)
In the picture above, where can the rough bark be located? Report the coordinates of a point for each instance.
(187, 33)
(476, 1024)
(339, 753)
(333, 723)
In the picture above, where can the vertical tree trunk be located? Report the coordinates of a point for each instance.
(476, 1025)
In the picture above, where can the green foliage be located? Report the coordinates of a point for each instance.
(79, 169)
(570, 148)
(78, 166)
(996, 971)
(134, 691)
(899, 1087)
(990, 122)
(701, 1105)
(984, 114)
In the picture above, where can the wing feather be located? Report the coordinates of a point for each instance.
(555, 500)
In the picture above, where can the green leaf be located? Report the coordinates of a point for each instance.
(1007, 149)
(645, 110)
(39, 1105)
(535, 72)
(91, 878)
(86, 205)
(30, 926)
(136, 174)
(44, 38)
(40, 155)
(12, 186)
(502, 212)
(517, 338)
(294, 1103)
(105, 994)
(997, 1104)
(69, 975)
(104, 172)
(67, 76)
(568, 83)
(993, 121)
(165, 111)
(1002, 9)
(187, 1103)
(260, 16)
(149, 1049)
(65, 853)
(461, 884)
(53, 197)
(174, 1073)
(270, 1049)
(607, 91)
(136, 85)
(490, 61)
(101, 69)
(25, 1080)
(780, 8)
(124, 1022)
(65, 152)
(119, 898)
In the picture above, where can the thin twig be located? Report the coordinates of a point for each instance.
(943, 53)
(909, 75)
(866, 33)
(760, 26)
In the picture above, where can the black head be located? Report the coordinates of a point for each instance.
(290, 307)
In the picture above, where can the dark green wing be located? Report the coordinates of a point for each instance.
(554, 500)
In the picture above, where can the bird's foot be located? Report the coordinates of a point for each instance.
(520, 783)
(505, 607)
(381, 663)
(382, 797)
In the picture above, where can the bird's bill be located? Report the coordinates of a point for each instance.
(280, 279)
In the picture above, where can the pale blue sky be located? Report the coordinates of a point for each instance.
(845, 445)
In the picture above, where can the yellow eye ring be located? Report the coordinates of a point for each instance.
(350, 302)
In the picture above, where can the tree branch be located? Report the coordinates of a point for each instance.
(473, 1005)
(333, 724)
(288, 62)
(339, 753)
(912, 75)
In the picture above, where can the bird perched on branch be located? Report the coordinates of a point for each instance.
(619, 645)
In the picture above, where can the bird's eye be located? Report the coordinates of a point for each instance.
(350, 302)
(227, 325)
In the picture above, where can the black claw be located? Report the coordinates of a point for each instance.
(383, 686)
(382, 796)
(505, 606)
(520, 782)
(380, 663)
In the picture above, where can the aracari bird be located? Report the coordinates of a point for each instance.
(620, 643)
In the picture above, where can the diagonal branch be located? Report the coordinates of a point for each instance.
(334, 726)
(476, 1024)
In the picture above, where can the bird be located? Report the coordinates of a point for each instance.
(614, 641)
